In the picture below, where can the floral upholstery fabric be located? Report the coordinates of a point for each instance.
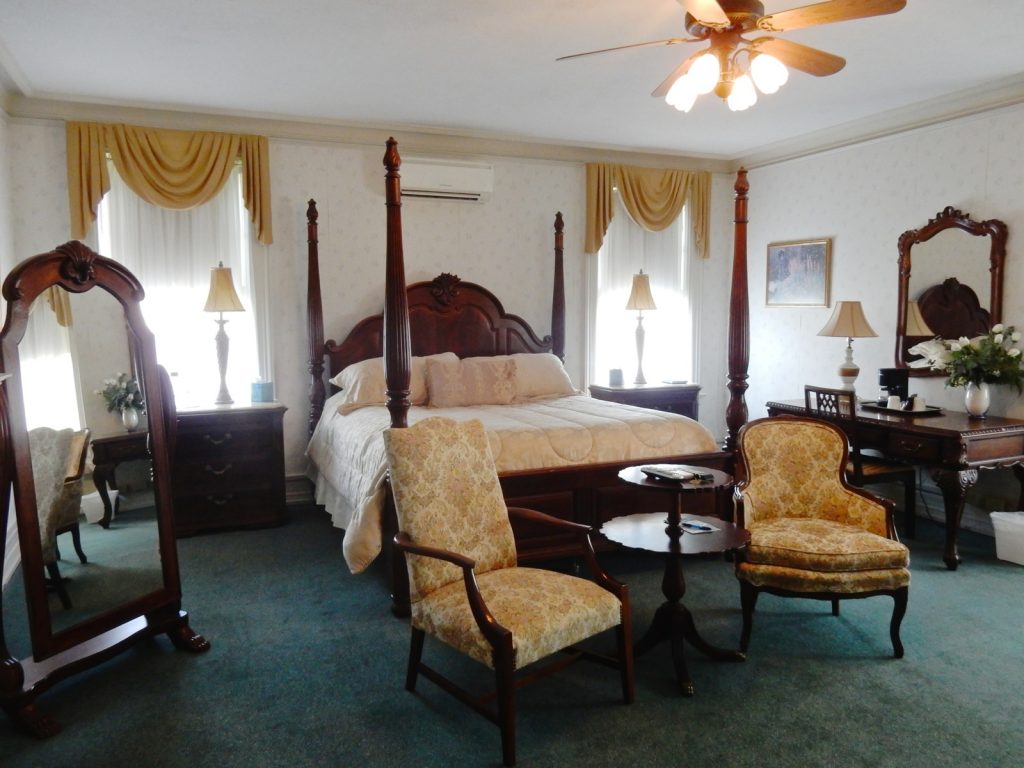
(545, 611)
(447, 495)
(57, 505)
(809, 533)
(794, 470)
(838, 583)
(822, 545)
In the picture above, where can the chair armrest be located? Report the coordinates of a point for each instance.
(601, 577)
(494, 632)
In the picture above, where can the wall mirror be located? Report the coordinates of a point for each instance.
(81, 613)
(953, 269)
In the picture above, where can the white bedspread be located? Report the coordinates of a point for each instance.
(348, 462)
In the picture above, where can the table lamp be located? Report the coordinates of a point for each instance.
(916, 325)
(222, 298)
(640, 299)
(848, 320)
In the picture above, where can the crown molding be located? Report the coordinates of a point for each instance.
(413, 138)
(1002, 93)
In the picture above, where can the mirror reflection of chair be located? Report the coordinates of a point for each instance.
(58, 462)
(865, 467)
(466, 587)
(812, 534)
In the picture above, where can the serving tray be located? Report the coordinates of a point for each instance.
(929, 410)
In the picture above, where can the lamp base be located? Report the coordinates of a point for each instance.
(848, 370)
(223, 398)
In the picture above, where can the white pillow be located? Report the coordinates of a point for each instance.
(472, 381)
(540, 375)
(363, 383)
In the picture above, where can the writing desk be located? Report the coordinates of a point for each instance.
(952, 445)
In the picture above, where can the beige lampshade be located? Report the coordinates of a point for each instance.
(640, 296)
(916, 326)
(222, 296)
(848, 320)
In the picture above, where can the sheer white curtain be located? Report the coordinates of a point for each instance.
(664, 256)
(48, 371)
(172, 252)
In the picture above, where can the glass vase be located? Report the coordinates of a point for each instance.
(977, 399)
(130, 419)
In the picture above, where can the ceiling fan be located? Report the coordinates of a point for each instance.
(732, 65)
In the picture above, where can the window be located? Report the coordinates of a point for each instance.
(669, 330)
(171, 253)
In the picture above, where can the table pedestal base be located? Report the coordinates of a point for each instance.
(674, 622)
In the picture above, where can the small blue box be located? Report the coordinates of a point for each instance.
(263, 392)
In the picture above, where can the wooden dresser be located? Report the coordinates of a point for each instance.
(674, 398)
(229, 468)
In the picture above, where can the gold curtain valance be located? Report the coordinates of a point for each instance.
(171, 169)
(653, 197)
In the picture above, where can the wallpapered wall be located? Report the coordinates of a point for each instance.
(506, 244)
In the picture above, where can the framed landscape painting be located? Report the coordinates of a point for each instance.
(798, 273)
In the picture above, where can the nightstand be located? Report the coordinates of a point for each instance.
(229, 468)
(674, 398)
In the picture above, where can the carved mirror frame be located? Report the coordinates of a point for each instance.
(964, 296)
(58, 654)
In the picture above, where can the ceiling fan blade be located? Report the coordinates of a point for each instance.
(678, 72)
(828, 13)
(667, 41)
(708, 12)
(810, 60)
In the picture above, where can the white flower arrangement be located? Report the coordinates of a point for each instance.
(991, 358)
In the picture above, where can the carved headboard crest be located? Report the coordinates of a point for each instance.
(445, 288)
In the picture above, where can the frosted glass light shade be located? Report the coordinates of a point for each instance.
(743, 94)
(681, 95)
(769, 73)
(704, 73)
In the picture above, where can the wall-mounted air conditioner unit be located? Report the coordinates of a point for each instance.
(447, 179)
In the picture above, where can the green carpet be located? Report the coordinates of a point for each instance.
(307, 669)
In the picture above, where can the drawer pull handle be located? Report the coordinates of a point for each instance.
(910, 447)
(218, 472)
(217, 440)
(220, 501)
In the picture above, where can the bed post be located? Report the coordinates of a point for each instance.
(397, 349)
(314, 320)
(558, 295)
(739, 318)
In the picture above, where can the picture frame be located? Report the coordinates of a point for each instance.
(798, 273)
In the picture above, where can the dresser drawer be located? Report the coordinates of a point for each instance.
(227, 509)
(912, 447)
(214, 473)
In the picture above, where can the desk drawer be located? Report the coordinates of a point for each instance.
(914, 448)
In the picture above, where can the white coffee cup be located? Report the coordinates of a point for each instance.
(919, 404)
(894, 402)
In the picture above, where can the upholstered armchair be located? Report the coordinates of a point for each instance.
(467, 590)
(58, 463)
(812, 534)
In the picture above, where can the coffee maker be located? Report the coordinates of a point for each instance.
(893, 381)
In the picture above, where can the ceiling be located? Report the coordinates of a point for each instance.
(487, 68)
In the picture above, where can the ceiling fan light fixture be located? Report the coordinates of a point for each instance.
(769, 74)
(681, 95)
(743, 94)
(704, 73)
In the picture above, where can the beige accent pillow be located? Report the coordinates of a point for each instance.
(363, 383)
(540, 375)
(472, 381)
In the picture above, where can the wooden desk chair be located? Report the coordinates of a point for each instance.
(465, 587)
(864, 468)
(70, 502)
(812, 534)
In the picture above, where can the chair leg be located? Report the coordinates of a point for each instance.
(623, 633)
(506, 690)
(415, 654)
(910, 507)
(76, 537)
(58, 585)
(835, 606)
(748, 599)
(899, 609)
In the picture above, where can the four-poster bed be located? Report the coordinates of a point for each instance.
(447, 315)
